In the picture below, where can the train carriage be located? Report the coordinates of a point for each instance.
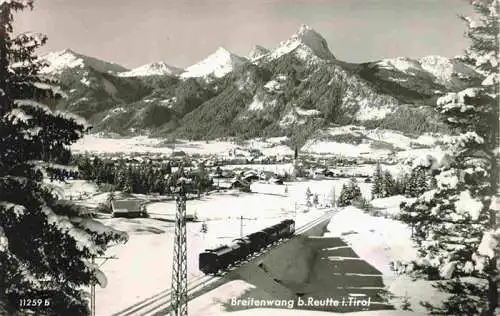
(290, 224)
(271, 235)
(282, 230)
(238, 252)
(213, 260)
(257, 241)
(245, 246)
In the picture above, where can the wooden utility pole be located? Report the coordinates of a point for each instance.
(92, 293)
(241, 225)
(92, 286)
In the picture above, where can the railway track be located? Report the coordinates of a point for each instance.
(159, 304)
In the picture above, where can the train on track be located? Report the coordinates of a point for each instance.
(211, 261)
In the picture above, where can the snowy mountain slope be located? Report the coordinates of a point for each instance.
(449, 72)
(412, 80)
(152, 69)
(307, 41)
(218, 64)
(68, 59)
(263, 97)
(358, 141)
(257, 52)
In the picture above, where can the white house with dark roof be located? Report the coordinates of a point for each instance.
(128, 208)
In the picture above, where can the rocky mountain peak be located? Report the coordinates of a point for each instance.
(68, 59)
(310, 41)
(218, 64)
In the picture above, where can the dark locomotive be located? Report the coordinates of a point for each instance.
(219, 259)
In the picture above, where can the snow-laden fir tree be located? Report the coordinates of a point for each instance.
(389, 185)
(308, 197)
(401, 183)
(456, 230)
(46, 244)
(204, 228)
(417, 182)
(315, 200)
(350, 192)
(384, 184)
(377, 185)
(332, 196)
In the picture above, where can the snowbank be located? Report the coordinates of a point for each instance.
(388, 202)
(390, 205)
(375, 239)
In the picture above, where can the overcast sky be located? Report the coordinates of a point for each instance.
(182, 32)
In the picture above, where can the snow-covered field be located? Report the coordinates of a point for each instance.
(233, 204)
(144, 144)
(377, 144)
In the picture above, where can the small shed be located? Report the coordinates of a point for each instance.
(128, 208)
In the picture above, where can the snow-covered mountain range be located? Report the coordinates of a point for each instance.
(152, 69)
(270, 92)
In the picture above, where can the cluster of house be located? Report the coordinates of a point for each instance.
(227, 178)
(233, 157)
